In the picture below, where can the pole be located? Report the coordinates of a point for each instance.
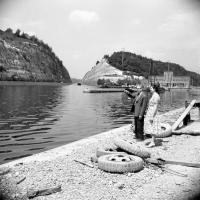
(149, 73)
(122, 58)
(153, 75)
(170, 80)
(168, 73)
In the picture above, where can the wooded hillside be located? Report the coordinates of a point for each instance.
(143, 66)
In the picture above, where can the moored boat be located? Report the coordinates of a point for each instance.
(101, 90)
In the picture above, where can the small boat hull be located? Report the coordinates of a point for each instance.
(108, 90)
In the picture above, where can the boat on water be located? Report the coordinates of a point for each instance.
(110, 89)
(78, 83)
(103, 90)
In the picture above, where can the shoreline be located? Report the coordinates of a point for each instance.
(61, 150)
(25, 83)
(57, 167)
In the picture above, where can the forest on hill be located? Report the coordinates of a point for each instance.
(143, 66)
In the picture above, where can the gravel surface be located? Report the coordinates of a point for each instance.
(58, 168)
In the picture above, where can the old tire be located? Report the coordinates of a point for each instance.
(132, 148)
(107, 151)
(166, 131)
(120, 163)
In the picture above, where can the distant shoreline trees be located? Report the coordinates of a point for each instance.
(119, 82)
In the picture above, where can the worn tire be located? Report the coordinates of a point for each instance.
(120, 163)
(166, 132)
(107, 151)
(132, 148)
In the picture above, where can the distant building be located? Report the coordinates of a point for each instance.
(169, 80)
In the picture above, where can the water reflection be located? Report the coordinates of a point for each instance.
(37, 118)
(26, 116)
(173, 99)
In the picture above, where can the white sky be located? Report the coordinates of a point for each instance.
(83, 31)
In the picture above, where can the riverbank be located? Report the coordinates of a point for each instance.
(16, 83)
(57, 167)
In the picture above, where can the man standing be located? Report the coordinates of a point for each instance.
(139, 108)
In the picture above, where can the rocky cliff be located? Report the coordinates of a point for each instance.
(25, 58)
(103, 70)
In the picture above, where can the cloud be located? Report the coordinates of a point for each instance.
(83, 16)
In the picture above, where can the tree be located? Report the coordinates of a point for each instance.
(106, 56)
(9, 30)
(17, 33)
(120, 82)
(108, 82)
(25, 36)
(100, 81)
(2, 69)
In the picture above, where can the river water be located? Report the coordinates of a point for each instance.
(35, 118)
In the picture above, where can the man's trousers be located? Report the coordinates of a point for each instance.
(139, 128)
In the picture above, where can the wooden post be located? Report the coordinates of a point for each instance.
(180, 119)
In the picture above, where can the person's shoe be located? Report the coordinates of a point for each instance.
(147, 136)
(147, 143)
